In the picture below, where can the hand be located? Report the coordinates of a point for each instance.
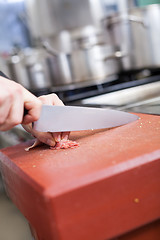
(13, 99)
(47, 137)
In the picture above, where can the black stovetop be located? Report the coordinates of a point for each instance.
(69, 94)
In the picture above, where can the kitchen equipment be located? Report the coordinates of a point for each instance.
(125, 98)
(69, 118)
(60, 15)
(151, 106)
(59, 64)
(92, 62)
(30, 68)
(3, 75)
(137, 33)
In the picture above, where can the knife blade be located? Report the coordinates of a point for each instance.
(71, 118)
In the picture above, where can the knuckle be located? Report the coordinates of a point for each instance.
(39, 103)
(3, 128)
(9, 95)
(2, 120)
(56, 99)
(1, 100)
(42, 98)
(16, 120)
(6, 124)
(11, 92)
(51, 99)
(18, 89)
(35, 117)
(54, 96)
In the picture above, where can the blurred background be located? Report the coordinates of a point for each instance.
(100, 53)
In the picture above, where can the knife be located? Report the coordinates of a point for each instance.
(71, 118)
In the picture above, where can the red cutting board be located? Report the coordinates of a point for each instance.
(106, 187)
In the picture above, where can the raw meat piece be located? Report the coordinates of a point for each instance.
(36, 143)
(64, 144)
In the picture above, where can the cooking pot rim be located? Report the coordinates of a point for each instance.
(129, 11)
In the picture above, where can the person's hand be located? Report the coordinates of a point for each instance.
(47, 137)
(13, 99)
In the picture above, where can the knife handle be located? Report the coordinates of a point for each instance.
(4, 75)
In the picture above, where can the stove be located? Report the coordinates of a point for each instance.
(74, 92)
(150, 106)
(137, 91)
(129, 94)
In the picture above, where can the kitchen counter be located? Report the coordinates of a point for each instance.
(106, 187)
(142, 99)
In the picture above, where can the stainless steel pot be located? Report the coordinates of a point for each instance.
(82, 64)
(137, 34)
(59, 64)
(94, 63)
(30, 68)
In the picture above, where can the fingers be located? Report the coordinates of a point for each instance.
(4, 111)
(65, 135)
(33, 105)
(58, 136)
(51, 99)
(13, 99)
(11, 104)
(50, 139)
(15, 114)
(28, 128)
(46, 138)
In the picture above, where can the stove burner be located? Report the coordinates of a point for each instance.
(74, 92)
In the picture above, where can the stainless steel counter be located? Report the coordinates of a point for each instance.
(144, 98)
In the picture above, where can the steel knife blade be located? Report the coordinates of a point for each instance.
(71, 118)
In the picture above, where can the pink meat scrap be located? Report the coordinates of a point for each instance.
(64, 144)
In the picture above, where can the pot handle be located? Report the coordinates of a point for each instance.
(125, 17)
(136, 19)
(49, 49)
(86, 45)
(117, 54)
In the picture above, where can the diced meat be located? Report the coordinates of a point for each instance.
(64, 144)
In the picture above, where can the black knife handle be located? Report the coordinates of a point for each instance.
(4, 75)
